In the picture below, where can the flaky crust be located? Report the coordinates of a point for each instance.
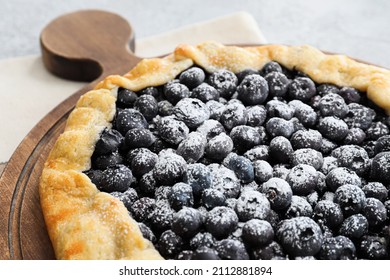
(84, 223)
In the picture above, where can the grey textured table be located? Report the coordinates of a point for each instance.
(359, 28)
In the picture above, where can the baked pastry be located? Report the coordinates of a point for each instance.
(223, 152)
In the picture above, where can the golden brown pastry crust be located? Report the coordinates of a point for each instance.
(84, 223)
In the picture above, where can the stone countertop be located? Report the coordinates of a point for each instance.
(359, 28)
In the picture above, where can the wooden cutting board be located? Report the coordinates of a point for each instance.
(85, 46)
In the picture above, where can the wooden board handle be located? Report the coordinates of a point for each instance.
(87, 45)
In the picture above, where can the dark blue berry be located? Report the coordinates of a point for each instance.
(341, 176)
(138, 138)
(301, 88)
(307, 156)
(253, 90)
(125, 98)
(172, 130)
(269, 67)
(221, 221)
(191, 111)
(252, 205)
(143, 162)
(280, 127)
(353, 157)
(212, 198)
(216, 109)
(95, 175)
(382, 144)
(350, 95)
(263, 171)
(277, 83)
(380, 167)
(198, 176)
(276, 108)
(351, 199)
(333, 128)
(306, 139)
(300, 236)
(192, 77)
(202, 239)
(192, 148)
(147, 105)
(256, 115)
(142, 209)
(299, 207)
(260, 152)
(233, 115)
(242, 74)
(187, 222)
(127, 119)
(374, 248)
(280, 149)
(328, 213)
(225, 180)
(165, 108)
(242, 167)
(211, 128)
(109, 141)
(377, 130)
(376, 190)
(204, 92)
(169, 244)
(147, 184)
(359, 116)
(219, 147)
(174, 92)
(147, 233)
(375, 212)
(304, 113)
(169, 168)
(161, 217)
(337, 248)
(303, 179)
(127, 198)
(324, 89)
(268, 252)
(205, 253)
(245, 137)
(278, 192)
(116, 178)
(181, 195)
(108, 160)
(224, 81)
(153, 91)
(355, 136)
(231, 249)
(333, 105)
(257, 233)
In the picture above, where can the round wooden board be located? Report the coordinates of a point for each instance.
(110, 40)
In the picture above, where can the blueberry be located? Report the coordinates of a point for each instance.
(202, 239)
(382, 144)
(299, 207)
(380, 167)
(278, 192)
(300, 236)
(215, 108)
(147, 105)
(109, 141)
(172, 130)
(185, 255)
(359, 116)
(350, 95)
(181, 196)
(280, 149)
(95, 175)
(246, 72)
(192, 148)
(192, 77)
(108, 160)
(375, 212)
(281, 170)
(324, 89)
(221, 221)
(224, 81)
(153, 91)
(355, 136)
(127, 198)
(279, 127)
(301, 88)
(147, 184)
(306, 139)
(212, 198)
(147, 233)
(333, 105)
(127, 119)
(233, 115)
(245, 137)
(165, 108)
(304, 113)
(307, 156)
(328, 213)
(142, 209)
(327, 146)
(276, 108)
(139, 137)
(205, 253)
(143, 162)
(187, 222)
(333, 128)
(219, 147)
(174, 92)
(253, 90)
(252, 205)
(377, 130)
(376, 190)
(230, 249)
(260, 152)
(351, 199)
(161, 217)
(268, 252)
(277, 83)
(169, 244)
(225, 180)
(191, 111)
(204, 92)
(256, 115)
(263, 171)
(337, 248)
(125, 98)
(271, 66)
(257, 233)
(198, 176)
(303, 179)
(169, 168)
(116, 178)
(374, 248)
(353, 157)
(211, 128)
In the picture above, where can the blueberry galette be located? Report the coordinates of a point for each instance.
(216, 152)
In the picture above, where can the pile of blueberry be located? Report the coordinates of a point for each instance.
(255, 165)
